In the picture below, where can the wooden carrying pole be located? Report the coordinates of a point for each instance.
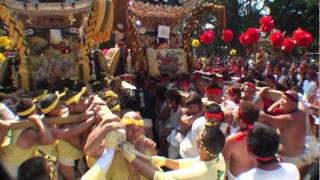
(24, 123)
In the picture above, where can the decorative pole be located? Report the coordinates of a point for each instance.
(15, 29)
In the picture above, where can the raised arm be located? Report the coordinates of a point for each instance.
(187, 172)
(96, 137)
(279, 121)
(101, 167)
(65, 133)
(31, 137)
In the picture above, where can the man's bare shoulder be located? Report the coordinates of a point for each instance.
(235, 140)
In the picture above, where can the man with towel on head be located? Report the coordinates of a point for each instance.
(134, 133)
(22, 142)
(51, 106)
(291, 122)
(235, 152)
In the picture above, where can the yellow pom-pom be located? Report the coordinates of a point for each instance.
(110, 93)
(195, 43)
(233, 52)
(2, 57)
(5, 41)
(203, 60)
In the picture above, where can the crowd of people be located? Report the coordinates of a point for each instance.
(193, 126)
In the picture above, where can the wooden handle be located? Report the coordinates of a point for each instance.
(25, 123)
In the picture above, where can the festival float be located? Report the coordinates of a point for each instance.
(51, 39)
(54, 39)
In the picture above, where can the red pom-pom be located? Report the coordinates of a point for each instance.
(253, 34)
(309, 38)
(266, 24)
(287, 45)
(265, 19)
(302, 37)
(207, 37)
(276, 39)
(227, 36)
(244, 39)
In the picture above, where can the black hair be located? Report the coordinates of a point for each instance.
(42, 85)
(193, 98)
(47, 100)
(69, 83)
(281, 87)
(214, 85)
(174, 95)
(160, 91)
(24, 104)
(77, 87)
(271, 78)
(69, 94)
(249, 112)
(263, 141)
(226, 75)
(97, 86)
(213, 108)
(34, 168)
(212, 140)
(57, 86)
(113, 83)
(139, 80)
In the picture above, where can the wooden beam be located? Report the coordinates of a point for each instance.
(25, 123)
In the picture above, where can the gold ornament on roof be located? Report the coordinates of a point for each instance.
(71, 19)
(29, 20)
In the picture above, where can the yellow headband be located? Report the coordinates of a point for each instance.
(38, 98)
(134, 122)
(116, 108)
(76, 97)
(27, 112)
(73, 99)
(51, 107)
(111, 94)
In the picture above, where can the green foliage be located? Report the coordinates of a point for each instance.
(291, 14)
(287, 14)
(241, 14)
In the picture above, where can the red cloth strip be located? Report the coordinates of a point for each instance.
(217, 116)
(250, 85)
(213, 91)
(264, 159)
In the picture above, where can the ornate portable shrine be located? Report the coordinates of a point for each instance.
(53, 38)
(179, 17)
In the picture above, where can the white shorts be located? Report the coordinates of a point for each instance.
(303, 159)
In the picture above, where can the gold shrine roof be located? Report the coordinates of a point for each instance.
(35, 8)
(154, 14)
